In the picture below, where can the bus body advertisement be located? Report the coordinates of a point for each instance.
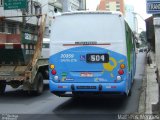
(91, 52)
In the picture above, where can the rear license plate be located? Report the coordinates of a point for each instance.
(86, 74)
(97, 58)
(86, 87)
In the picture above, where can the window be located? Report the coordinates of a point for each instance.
(1, 3)
(12, 28)
(2, 27)
(107, 6)
(117, 2)
(118, 9)
(117, 5)
(45, 45)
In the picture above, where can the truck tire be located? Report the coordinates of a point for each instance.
(2, 87)
(38, 85)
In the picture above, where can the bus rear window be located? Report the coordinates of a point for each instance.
(94, 27)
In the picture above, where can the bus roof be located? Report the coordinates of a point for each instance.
(91, 12)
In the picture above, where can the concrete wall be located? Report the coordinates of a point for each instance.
(157, 40)
(73, 5)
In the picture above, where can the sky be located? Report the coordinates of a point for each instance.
(139, 7)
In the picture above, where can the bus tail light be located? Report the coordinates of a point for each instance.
(120, 72)
(52, 66)
(54, 72)
(122, 66)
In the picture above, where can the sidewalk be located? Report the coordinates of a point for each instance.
(152, 88)
(150, 91)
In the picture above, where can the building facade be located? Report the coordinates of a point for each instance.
(82, 5)
(73, 5)
(19, 28)
(112, 5)
(35, 7)
(130, 17)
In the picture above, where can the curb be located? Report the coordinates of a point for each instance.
(152, 90)
(142, 99)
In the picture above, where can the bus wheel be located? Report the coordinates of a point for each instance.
(2, 87)
(133, 81)
(129, 93)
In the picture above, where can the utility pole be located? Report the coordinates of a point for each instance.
(23, 18)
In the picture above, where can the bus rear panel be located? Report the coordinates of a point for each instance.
(88, 54)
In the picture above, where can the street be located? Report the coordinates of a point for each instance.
(49, 106)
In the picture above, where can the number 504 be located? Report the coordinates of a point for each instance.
(97, 58)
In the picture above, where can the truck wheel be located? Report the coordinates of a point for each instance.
(38, 85)
(2, 87)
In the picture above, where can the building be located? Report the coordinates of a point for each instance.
(73, 5)
(130, 17)
(48, 7)
(35, 7)
(150, 32)
(82, 5)
(112, 5)
(14, 29)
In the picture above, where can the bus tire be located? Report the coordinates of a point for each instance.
(2, 87)
(129, 93)
(133, 80)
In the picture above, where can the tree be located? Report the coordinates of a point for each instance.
(142, 36)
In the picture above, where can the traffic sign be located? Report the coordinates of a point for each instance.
(153, 6)
(15, 4)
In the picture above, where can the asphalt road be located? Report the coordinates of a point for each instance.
(17, 105)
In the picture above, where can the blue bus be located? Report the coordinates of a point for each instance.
(91, 52)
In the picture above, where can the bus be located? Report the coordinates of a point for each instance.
(91, 53)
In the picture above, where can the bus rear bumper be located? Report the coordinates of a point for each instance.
(88, 87)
